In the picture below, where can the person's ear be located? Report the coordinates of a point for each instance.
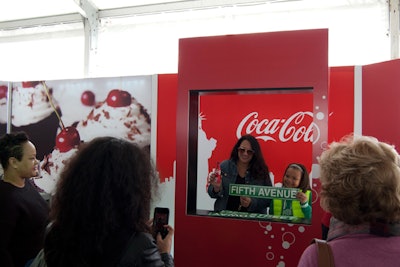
(12, 162)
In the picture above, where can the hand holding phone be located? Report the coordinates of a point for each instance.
(161, 217)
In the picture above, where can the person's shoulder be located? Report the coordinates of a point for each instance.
(39, 260)
(309, 257)
(144, 235)
(140, 241)
(140, 248)
(6, 190)
(226, 162)
(145, 239)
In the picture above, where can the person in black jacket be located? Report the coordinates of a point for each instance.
(23, 211)
(101, 208)
(246, 165)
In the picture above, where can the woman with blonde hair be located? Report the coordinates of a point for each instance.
(360, 186)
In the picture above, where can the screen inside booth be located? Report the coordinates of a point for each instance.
(280, 119)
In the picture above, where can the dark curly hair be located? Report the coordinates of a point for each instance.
(11, 146)
(258, 168)
(102, 197)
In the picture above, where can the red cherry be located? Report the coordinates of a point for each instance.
(30, 84)
(88, 98)
(67, 139)
(118, 98)
(3, 91)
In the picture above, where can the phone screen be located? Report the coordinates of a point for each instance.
(161, 216)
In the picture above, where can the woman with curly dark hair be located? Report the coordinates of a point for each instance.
(101, 208)
(245, 166)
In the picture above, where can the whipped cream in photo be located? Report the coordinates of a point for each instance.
(120, 115)
(3, 103)
(51, 167)
(30, 99)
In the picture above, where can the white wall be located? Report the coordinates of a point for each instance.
(141, 45)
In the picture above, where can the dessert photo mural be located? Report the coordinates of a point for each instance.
(34, 110)
(3, 107)
(3, 111)
(59, 115)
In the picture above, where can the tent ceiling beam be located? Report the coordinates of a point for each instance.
(91, 28)
(42, 21)
(84, 6)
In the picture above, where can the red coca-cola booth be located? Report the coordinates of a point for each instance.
(259, 84)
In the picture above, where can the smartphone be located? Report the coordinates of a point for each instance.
(161, 217)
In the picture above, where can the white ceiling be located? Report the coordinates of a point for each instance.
(31, 9)
(27, 9)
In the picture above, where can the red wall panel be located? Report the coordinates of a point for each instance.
(380, 101)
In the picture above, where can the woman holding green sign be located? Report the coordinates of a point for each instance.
(296, 176)
(246, 165)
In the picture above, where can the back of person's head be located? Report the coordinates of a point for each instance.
(304, 184)
(103, 193)
(258, 167)
(360, 180)
(11, 145)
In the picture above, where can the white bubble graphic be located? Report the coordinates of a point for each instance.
(288, 235)
(281, 264)
(269, 227)
(324, 145)
(301, 229)
(320, 116)
(285, 245)
(270, 256)
(315, 171)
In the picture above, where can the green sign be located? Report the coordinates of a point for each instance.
(259, 191)
(248, 215)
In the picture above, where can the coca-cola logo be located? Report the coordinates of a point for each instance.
(299, 126)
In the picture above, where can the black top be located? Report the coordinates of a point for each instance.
(234, 201)
(23, 219)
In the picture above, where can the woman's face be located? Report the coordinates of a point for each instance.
(245, 152)
(292, 178)
(28, 166)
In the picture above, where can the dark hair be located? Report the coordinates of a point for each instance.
(258, 168)
(102, 197)
(11, 146)
(305, 178)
